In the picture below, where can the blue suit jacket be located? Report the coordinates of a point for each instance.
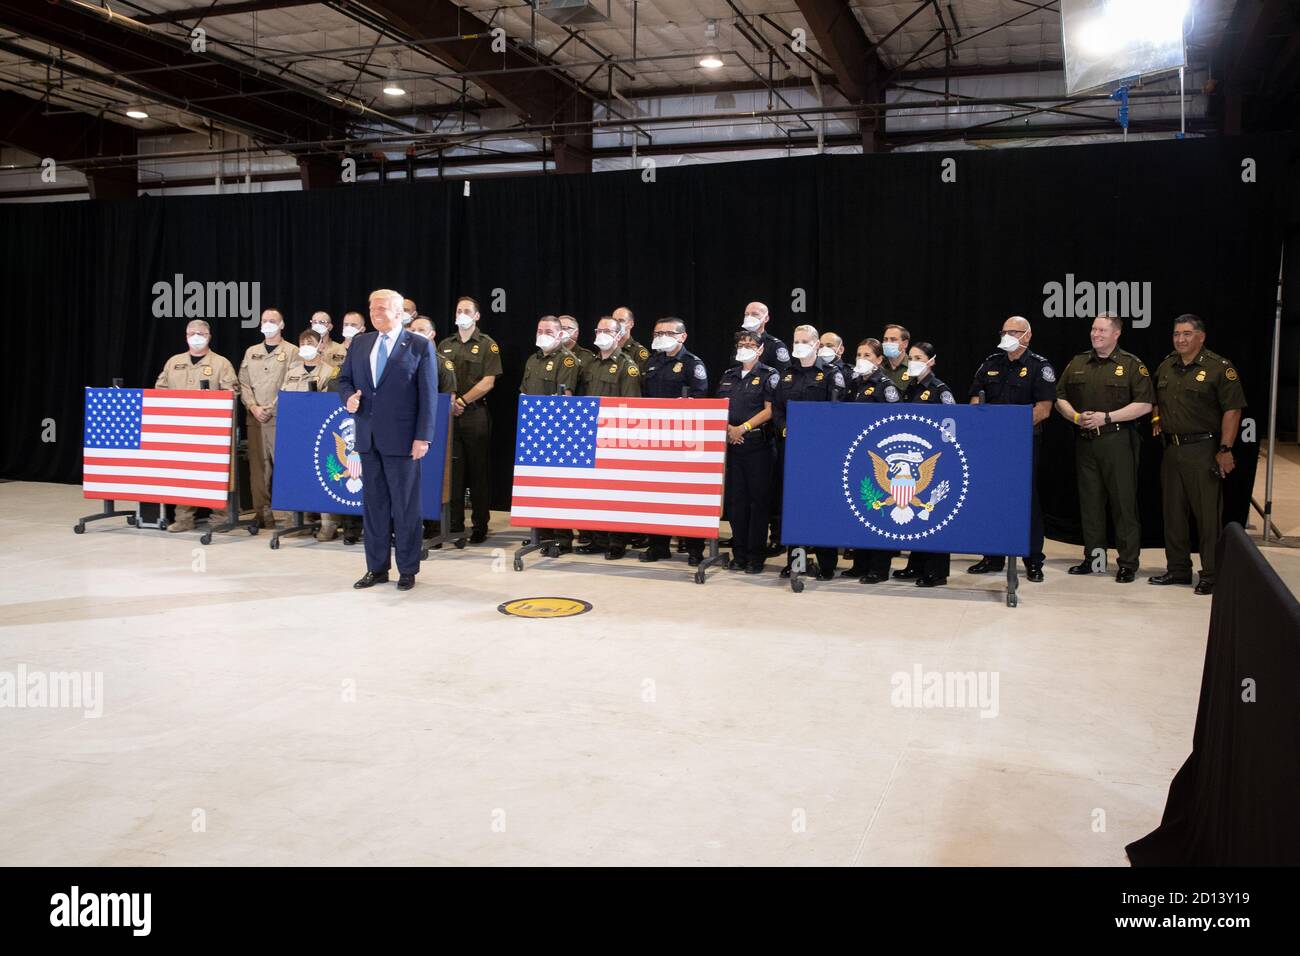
(400, 408)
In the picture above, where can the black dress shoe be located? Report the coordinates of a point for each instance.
(907, 573)
(693, 560)
(1035, 575)
(1126, 575)
(1170, 578)
(478, 536)
(852, 573)
(930, 581)
(1204, 587)
(986, 566)
(405, 582)
(734, 565)
(588, 549)
(655, 554)
(870, 579)
(371, 578)
(613, 554)
(1084, 568)
(825, 575)
(754, 567)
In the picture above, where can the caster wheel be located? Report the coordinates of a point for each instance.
(699, 577)
(1012, 600)
(551, 551)
(130, 519)
(206, 538)
(78, 528)
(519, 564)
(460, 545)
(796, 585)
(162, 525)
(252, 530)
(275, 544)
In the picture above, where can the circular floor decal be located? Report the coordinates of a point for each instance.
(544, 607)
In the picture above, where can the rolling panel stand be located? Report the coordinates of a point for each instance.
(714, 557)
(442, 537)
(1013, 581)
(300, 523)
(108, 512)
(549, 549)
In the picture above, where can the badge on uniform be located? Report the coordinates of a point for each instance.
(820, 376)
(993, 372)
(279, 356)
(904, 376)
(644, 355)
(633, 371)
(677, 367)
(870, 390)
(1023, 371)
(613, 369)
(550, 366)
(925, 396)
(451, 366)
(755, 381)
(207, 370)
(1200, 376)
(1231, 374)
(474, 350)
(568, 361)
(1119, 370)
(789, 377)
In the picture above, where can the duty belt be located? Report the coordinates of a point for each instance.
(1102, 430)
(1189, 438)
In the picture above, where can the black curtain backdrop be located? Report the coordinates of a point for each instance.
(868, 239)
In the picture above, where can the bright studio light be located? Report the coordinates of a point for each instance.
(393, 88)
(710, 60)
(1124, 22)
(136, 113)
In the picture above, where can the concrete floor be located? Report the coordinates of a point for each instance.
(258, 711)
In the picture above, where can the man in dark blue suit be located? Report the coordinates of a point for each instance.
(389, 384)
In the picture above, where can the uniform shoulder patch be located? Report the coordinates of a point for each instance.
(1049, 374)
(449, 364)
(632, 370)
(783, 354)
(1143, 370)
(568, 361)
(644, 353)
(839, 380)
(494, 347)
(891, 393)
(1230, 374)
(947, 398)
(699, 370)
(773, 379)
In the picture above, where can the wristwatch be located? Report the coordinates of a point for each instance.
(1223, 448)
(1108, 418)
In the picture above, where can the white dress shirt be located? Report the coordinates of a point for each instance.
(391, 335)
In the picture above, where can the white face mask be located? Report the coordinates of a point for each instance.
(349, 331)
(308, 352)
(745, 356)
(802, 350)
(1009, 342)
(750, 323)
(319, 328)
(270, 329)
(546, 342)
(604, 341)
(197, 341)
(917, 369)
(406, 318)
(464, 320)
(864, 367)
(826, 354)
(663, 343)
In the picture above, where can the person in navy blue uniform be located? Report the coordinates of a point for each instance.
(870, 384)
(750, 387)
(389, 384)
(1013, 375)
(809, 378)
(930, 569)
(673, 372)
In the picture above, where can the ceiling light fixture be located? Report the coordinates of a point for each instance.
(136, 113)
(392, 85)
(711, 59)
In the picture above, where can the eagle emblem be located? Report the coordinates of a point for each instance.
(345, 464)
(901, 477)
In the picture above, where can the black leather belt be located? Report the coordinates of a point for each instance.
(1190, 438)
(1103, 430)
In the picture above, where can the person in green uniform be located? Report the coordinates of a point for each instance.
(612, 374)
(569, 331)
(552, 369)
(1199, 399)
(1102, 392)
(478, 363)
(895, 343)
(637, 352)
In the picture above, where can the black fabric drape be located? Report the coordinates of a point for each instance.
(861, 240)
(1236, 800)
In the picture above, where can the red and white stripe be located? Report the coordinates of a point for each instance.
(658, 470)
(184, 453)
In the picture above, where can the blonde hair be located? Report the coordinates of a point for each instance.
(390, 295)
(809, 329)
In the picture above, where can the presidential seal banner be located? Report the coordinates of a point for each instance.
(947, 478)
(317, 467)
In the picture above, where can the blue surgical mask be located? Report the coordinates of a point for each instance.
(892, 350)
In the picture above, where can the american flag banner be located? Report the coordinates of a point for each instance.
(158, 444)
(650, 465)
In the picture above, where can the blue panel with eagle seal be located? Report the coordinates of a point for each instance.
(908, 478)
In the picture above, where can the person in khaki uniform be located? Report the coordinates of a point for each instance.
(478, 363)
(569, 331)
(551, 370)
(332, 353)
(613, 374)
(1102, 392)
(637, 352)
(311, 373)
(262, 374)
(1199, 399)
(188, 370)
